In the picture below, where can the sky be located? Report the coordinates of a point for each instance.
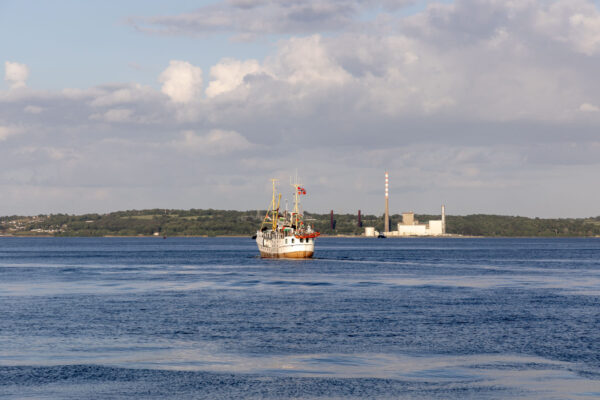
(486, 106)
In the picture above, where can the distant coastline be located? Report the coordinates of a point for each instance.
(231, 223)
(400, 238)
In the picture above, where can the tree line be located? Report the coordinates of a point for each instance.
(210, 222)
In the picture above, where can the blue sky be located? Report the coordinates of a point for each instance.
(80, 44)
(487, 106)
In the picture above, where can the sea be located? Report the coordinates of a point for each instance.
(206, 318)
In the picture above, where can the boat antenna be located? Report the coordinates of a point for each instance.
(275, 214)
(297, 189)
(273, 209)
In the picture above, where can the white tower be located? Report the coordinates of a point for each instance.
(386, 222)
(443, 219)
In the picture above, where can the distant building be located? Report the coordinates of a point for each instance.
(370, 231)
(411, 227)
(408, 218)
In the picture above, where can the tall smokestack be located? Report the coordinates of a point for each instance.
(443, 219)
(331, 221)
(386, 222)
(359, 220)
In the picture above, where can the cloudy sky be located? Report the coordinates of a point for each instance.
(488, 106)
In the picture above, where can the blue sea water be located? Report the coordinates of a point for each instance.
(206, 318)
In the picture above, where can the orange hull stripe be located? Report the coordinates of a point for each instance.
(293, 254)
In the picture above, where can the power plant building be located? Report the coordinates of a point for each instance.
(411, 227)
(370, 231)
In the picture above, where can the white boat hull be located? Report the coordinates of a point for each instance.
(274, 245)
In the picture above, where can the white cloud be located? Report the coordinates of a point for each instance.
(121, 94)
(304, 62)
(16, 74)
(574, 22)
(228, 74)
(51, 153)
(587, 107)
(181, 81)
(470, 95)
(8, 131)
(33, 109)
(215, 142)
(118, 115)
(307, 61)
(585, 32)
(80, 94)
(114, 115)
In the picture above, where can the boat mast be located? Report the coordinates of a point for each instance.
(275, 207)
(274, 210)
(296, 209)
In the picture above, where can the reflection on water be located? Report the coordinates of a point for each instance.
(422, 318)
(105, 280)
(536, 376)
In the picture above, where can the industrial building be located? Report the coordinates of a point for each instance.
(371, 232)
(409, 225)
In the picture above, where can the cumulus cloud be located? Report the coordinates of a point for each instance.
(307, 60)
(573, 22)
(114, 115)
(228, 74)
(33, 109)
(181, 81)
(483, 58)
(215, 142)
(8, 131)
(16, 74)
(471, 102)
(112, 95)
(587, 107)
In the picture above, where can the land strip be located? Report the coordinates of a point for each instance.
(198, 222)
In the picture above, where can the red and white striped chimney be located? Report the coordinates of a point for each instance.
(387, 183)
(386, 222)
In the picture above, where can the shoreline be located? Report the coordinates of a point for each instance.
(448, 236)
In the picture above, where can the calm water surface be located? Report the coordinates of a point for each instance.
(206, 318)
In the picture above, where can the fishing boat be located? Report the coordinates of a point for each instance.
(286, 235)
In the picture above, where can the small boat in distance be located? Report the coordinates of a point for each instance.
(285, 235)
